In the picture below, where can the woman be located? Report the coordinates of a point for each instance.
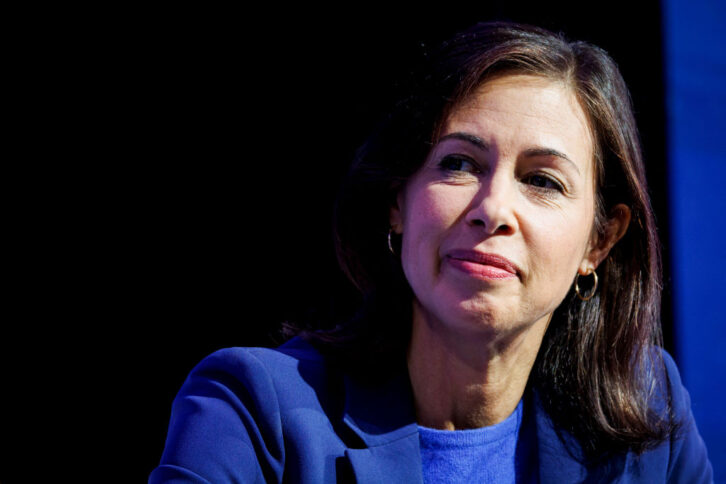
(499, 228)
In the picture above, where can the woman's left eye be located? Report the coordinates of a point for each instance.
(457, 163)
(543, 182)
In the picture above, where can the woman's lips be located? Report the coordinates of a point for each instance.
(482, 264)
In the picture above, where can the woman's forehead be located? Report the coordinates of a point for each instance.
(520, 110)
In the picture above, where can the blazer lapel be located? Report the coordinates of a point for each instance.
(561, 458)
(383, 417)
(397, 461)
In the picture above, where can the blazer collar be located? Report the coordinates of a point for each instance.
(384, 419)
(561, 457)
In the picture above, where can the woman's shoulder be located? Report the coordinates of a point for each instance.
(669, 397)
(293, 353)
(679, 457)
(239, 410)
(680, 400)
(685, 450)
(285, 370)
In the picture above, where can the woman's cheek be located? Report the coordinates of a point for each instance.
(559, 240)
(428, 220)
(445, 203)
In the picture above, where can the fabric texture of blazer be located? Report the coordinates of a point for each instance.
(284, 415)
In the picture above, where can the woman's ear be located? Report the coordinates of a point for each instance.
(615, 227)
(395, 216)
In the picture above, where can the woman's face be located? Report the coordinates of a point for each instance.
(498, 220)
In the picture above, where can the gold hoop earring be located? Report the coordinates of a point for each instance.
(588, 296)
(390, 245)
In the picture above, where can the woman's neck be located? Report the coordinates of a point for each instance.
(472, 380)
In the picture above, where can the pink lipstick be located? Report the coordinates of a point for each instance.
(481, 264)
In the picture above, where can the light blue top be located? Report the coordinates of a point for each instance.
(485, 455)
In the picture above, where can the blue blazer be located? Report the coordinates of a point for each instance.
(268, 415)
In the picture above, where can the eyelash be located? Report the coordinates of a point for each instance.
(446, 164)
(553, 184)
(455, 163)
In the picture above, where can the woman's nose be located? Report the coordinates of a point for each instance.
(493, 207)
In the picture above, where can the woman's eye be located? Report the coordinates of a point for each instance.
(457, 163)
(543, 182)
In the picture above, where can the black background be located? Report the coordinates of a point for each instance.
(191, 208)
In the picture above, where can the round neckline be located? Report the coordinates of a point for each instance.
(472, 437)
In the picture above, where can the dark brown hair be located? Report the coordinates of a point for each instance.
(595, 368)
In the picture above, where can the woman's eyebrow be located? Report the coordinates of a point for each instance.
(475, 140)
(538, 151)
(482, 145)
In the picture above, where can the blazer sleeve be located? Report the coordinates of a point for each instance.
(688, 461)
(225, 424)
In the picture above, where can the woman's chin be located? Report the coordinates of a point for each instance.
(479, 317)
